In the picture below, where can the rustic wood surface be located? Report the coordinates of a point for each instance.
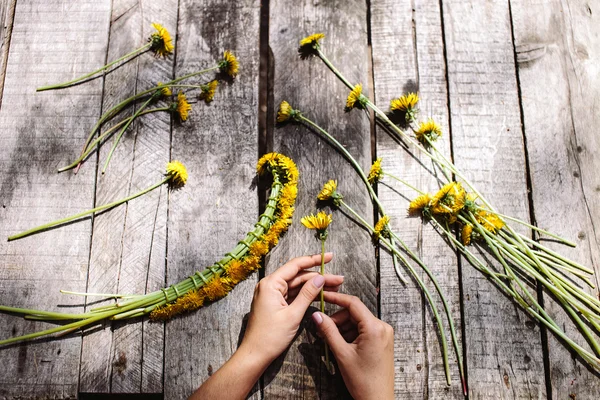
(514, 84)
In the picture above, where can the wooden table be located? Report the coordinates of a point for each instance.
(515, 85)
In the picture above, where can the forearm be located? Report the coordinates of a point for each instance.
(236, 377)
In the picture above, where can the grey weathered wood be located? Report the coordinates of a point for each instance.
(557, 52)
(309, 86)
(219, 205)
(129, 242)
(51, 41)
(408, 56)
(503, 346)
(7, 15)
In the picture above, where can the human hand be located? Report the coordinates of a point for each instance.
(280, 302)
(362, 345)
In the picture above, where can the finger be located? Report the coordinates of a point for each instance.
(330, 333)
(292, 267)
(358, 311)
(307, 294)
(350, 336)
(304, 276)
(341, 317)
(292, 293)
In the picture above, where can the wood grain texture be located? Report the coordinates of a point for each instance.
(310, 87)
(408, 56)
(129, 242)
(219, 205)
(504, 351)
(51, 41)
(7, 16)
(558, 50)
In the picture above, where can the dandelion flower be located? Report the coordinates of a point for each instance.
(162, 44)
(259, 248)
(182, 107)
(207, 92)
(355, 98)
(328, 191)
(490, 221)
(311, 41)
(178, 174)
(428, 131)
(381, 226)
(235, 271)
(216, 288)
(376, 172)
(165, 91)
(318, 222)
(229, 64)
(450, 199)
(420, 206)
(406, 104)
(466, 234)
(285, 112)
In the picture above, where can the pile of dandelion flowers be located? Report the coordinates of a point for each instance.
(202, 287)
(176, 176)
(159, 42)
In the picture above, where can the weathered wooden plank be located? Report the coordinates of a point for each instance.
(309, 86)
(558, 50)
(129, 242)
(503, 346)
(7, 15)
(217, 207)
(408, 56)
(51, 41)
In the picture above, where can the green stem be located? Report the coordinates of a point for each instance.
(81, 78)
(120, 135)
(408, 185)
(329, 368)
(84, 213)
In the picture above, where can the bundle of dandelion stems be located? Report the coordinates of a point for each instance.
(203, 286)
(524, 261)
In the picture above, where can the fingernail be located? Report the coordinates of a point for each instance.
(318, 281)
(317, 318)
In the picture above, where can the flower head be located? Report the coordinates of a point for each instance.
(406, 104)
(162, 44)
(428, 131)
(165, 91)
(310, 43)
(355, 98)
(178, 174)
(285, 112)
(284, 165)
(318, 222)
(490, 221)
(207, 92)
(216, 288)
(259, 248)
(466, 234)
(329, 191)
(381, 227)
(376, 172)
(420, 206)
(182, 107)
(449, 200)
(229, 64)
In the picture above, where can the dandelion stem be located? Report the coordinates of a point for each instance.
(86, 76)
(408, 185)
(84, 213)
(323, 299)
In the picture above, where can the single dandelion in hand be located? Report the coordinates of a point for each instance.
(159, 42)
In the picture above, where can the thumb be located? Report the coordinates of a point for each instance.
(307, 295)
(330, 333)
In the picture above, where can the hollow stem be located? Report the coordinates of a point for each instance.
(408, 185)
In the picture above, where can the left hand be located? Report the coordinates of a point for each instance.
(280, 302)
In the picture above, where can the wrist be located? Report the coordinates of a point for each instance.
(252, 358)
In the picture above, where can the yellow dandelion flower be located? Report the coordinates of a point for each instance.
(268, 159)
(328, 191)
(178, 174)
(285, 112)
(450, 199)
(376, 172)
(181, 107)
(162, 44)
(490, 221)
(318, 222)
(404, 103)
(381, 226)
(207, 92)
(272, 238)
(428, 131)
(355, 98)
(216, 288)
(259, 248)
(288, 196)
(229, 64)
(235, 271)
(311, 41)
(165, 91)
(192, 300)
(420, 206)
(466, 234)
(251, 263)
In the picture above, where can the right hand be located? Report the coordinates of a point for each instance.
(362, 345)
